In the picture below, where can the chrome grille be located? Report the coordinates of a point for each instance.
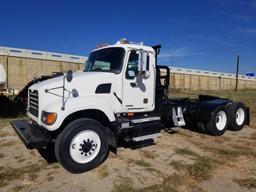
(33, 102)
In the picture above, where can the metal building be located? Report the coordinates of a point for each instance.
(22, 65)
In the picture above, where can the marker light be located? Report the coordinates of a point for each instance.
(123, 41)
(49, 118)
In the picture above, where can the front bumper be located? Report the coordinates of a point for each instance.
(32, 135)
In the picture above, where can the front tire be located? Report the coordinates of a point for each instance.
(218, 123)
(82, 145)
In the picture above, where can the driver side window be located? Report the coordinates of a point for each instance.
(132, 66)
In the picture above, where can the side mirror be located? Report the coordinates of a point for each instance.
(142, 64)
(69, 76)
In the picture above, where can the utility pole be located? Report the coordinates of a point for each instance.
(7, 69)
(237, 71)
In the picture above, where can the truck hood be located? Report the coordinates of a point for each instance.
(83, 82)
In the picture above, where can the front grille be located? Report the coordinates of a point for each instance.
(33, 102)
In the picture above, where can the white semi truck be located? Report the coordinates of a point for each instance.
(121, 95)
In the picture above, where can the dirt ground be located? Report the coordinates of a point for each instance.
(180, 160)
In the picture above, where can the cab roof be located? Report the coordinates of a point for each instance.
(127, 46)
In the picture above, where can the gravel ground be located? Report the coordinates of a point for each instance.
(180, 160)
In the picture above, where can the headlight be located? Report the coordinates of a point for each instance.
(49, 118)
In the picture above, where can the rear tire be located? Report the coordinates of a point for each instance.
(218, 123)
(82, 145)
(237, 115)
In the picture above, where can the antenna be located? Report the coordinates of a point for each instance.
(65, 52)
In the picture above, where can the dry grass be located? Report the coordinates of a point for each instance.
(54, 166)
(186, 151)
(8, 174)
(9, 143)
(50, 178)
(142, 163)
(17, 188)
(178, 165)
(103, 171)
(5, 133)
(253, 136)
(248, 182)
(153, 170)
(2, 155)
(124, 186)
(4, 122)
(170, 184)
(148, 154)
(139, 162)
(202, 168)
(231, 154)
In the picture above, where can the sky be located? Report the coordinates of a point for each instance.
(198, 34)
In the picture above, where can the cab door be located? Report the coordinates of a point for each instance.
(138, 91)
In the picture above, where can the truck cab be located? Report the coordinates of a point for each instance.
(112, 82)
(122, 94)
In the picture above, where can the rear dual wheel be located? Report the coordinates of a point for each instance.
(233, 118)
(237, 115)
(218, 123)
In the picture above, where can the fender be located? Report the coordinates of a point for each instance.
(77, 104)
(203, 111)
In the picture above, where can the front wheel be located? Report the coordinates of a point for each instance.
(218, 123)
(82, 145)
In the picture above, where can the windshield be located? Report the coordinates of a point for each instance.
(107, 60)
